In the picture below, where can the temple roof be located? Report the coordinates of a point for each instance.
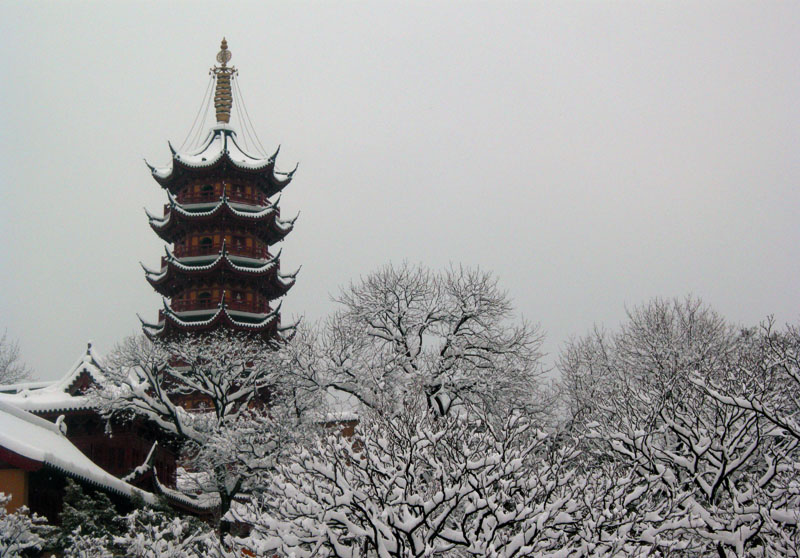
(61, 395)
(241, 321)
(31, 442)
(174, 268)
(180, 214)
(220, 149)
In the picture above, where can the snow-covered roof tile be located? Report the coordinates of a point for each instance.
(39, 440)
(220, 142)
(56, 396)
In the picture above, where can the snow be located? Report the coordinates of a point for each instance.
(207, 210)
(220, 142)
(39, 440)
(16, 388)
(54, 396)
(266, 319)
(204, 501)
(262, 267)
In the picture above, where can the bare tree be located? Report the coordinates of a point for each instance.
(635, 393)
(413, 483)
(773, 382)
(12, 369)
(768, 391)
(410, 483)
(451, 334)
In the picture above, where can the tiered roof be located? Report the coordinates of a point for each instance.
(204, 320)
(180, 217)
(175, 272)
(221, 151)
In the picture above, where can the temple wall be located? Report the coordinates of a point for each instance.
(14, 482)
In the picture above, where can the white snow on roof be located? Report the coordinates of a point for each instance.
(16, 388)
(262, 267)
(202, 500)
(238, 209)
(221, 141)
(39, 440)
(53, 396)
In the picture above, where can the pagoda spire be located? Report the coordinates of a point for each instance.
(223, 99)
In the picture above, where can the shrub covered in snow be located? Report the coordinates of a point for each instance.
(21, 533)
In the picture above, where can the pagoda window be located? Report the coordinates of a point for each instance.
(207, 191)
(205, 244)
(238, 189)
(204, 298)
(238, 241)
(237, 296)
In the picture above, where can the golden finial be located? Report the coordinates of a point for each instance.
(223, 100)
(224, 55)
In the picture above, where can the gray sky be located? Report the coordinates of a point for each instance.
(592, 155)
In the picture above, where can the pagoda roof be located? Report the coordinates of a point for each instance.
(181, 214)
(241, 321)
(223, 261)
(220, 149)
(64, 394)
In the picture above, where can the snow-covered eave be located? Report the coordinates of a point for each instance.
(44, 404)
(270, 229)
(89, 362)
(39, 440)
(223, 203)
(146, 466)
(154, 330)
(124, 489)
(289, 279)
(222, 258)
(175, 496)
(289, 327)
(24, 386)
(149, 325)
(55, 396)
(286, 225)
(221, 147)
(221, 314)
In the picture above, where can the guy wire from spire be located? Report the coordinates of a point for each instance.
(247, 135)
(247, 115)
(238, 114)
(198, 135)
(201, 126)
(203, 105)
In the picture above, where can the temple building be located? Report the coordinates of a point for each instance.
(223, 221)
(51, 431)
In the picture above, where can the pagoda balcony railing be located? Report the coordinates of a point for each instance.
(256, 252)
(261, 307)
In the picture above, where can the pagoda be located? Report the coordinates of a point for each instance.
(222, 221)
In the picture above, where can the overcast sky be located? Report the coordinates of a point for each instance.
(591, 155)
